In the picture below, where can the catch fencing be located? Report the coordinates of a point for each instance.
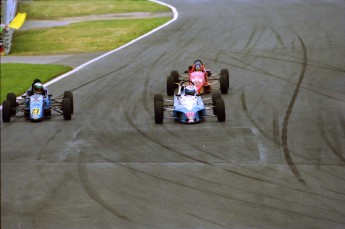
(8, 12)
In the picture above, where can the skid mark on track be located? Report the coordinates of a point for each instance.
(284, 136)
(276, 135)
(229, 197)
(134, 126)
(257, 193)
(251, 37)
(83, 175)
(342, 121)
(177, 136)
(279, 38)
(335, 150)
(248, 115)
(264, 72)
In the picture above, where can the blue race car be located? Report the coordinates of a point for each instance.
(188, 106)
(37, 107)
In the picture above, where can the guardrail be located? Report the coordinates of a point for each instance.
(8, 12)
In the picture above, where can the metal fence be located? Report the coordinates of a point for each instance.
(8, 12)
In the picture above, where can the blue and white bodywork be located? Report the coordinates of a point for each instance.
(188, 106)
(38, 107)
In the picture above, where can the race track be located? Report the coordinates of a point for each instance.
(277, 162)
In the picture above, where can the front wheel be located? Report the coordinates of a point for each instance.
(158, 112)
(221, 110)
(6, 111)
(13, 102)
(158, 97)
(69, 94)
(66, 109)
(215, 96)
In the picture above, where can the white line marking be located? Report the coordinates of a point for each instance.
(117, 49)
(120, 48)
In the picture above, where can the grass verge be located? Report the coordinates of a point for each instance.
(72, 8)
(17, 78)
(82, 37)
(74, 38)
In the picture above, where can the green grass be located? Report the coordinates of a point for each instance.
(72, 8)
(74, 38)
(17, 78)
(82, 37)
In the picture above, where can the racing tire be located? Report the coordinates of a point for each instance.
(221, 110)
(158, 112)
(224, 84)
(69, 94)
(225, 72)
(175, 76)
(66, 109)
(13, 102)
(158, 97)
(170, 85)
(6, 111)
(47, 113)
(215, 96)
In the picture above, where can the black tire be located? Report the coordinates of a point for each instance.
(221, 110)
(215, 96)
(66, 109)
(170, 85)
(13, 102)
(47, 113)
(158, 97)
(175, 76)
(158, 112)
(6, 111)
(225, 71)
(224, 84)
(69, 94)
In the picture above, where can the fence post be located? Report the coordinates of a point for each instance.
(8, 12)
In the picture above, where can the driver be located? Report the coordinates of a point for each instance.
(31, 90)
(199, 67)
(38, 88)
(190, 90)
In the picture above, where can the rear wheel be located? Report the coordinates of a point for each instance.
(13, 102)
(170, 85)
(158, 112)
(69, 94)
(215, 96)
(6, 111)
(66, 109)
(224, 84)
(221, 110)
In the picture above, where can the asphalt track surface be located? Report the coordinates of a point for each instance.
(277, 162)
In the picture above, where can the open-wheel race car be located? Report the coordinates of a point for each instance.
(188, 106)
(202, 78)
(37, 107)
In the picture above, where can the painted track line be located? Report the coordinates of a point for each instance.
(175, 17)
(121, 47)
